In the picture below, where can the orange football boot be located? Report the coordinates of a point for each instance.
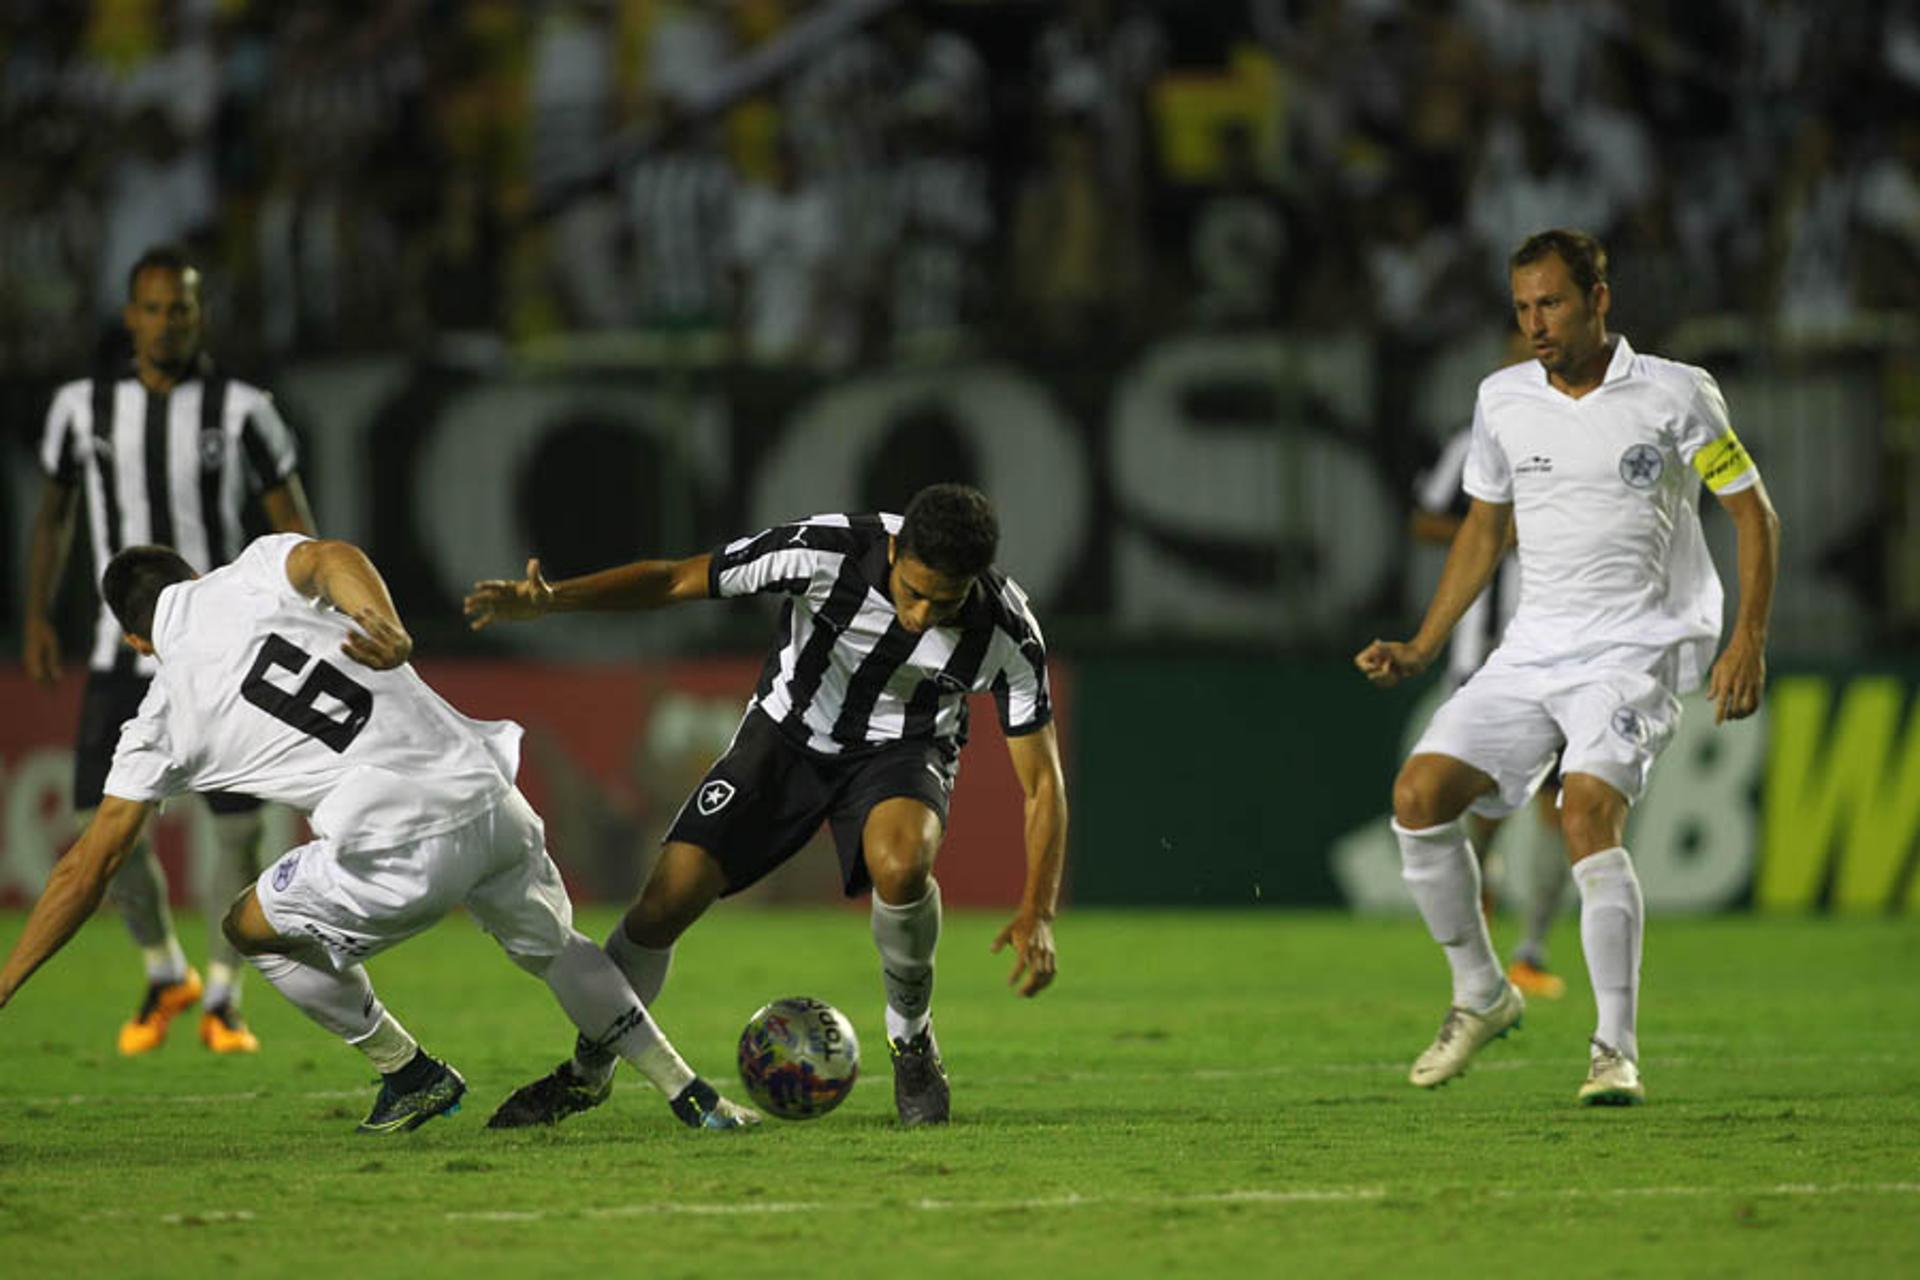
(165, 1001)
(223, 1030)
(1534, 980)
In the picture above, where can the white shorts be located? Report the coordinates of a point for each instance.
(1612, 716)
(359, 902)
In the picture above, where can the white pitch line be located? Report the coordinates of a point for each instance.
(1253, 1195)
(1072, 1200)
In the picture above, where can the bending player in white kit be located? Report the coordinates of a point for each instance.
(412, 805)
(1586, 455)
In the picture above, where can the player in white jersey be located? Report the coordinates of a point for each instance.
(1440, 506)
(890, 622)
(1591, 457)
(412, 805)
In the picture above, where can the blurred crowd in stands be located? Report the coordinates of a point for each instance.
(464, 177)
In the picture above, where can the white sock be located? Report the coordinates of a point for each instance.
(645, 967)
(1612, 916)
(339, 1000)
(223, 986)
(596, 995)
(388, 1046)
(1444, 878)
(165, 962)
(906, 935)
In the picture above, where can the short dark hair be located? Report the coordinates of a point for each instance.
(134, 580)
(951, 529)
(160, 257)
(1585, 257)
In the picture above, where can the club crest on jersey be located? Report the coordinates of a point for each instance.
(714, 796)
(212, 449)
(1631, 725)
(1641, 465)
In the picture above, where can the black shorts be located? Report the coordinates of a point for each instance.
(764, 799)
(111, 699)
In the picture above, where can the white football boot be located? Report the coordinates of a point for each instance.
(1612, 1079)
(1463, 1034)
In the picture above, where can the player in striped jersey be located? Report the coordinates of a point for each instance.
(169, 451)
(889, 623)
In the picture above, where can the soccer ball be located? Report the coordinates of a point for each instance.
(799, 1058)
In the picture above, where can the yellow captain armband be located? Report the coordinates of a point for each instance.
(1723, 462)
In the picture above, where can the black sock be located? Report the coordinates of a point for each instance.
(695, 1102)
(415, 1075)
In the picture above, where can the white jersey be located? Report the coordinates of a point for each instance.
(1605, 492)
(253, 695)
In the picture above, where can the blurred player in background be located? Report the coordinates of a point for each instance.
(168, 451)
(1586, 457)
(890, 622)
(413, 808)
(1441, 506)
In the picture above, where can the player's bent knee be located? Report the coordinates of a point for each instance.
(901, 873)
(684, 883)
(1432, 790)
(1417, 801)
(1593, 816)
(660, 917)
(245, 926)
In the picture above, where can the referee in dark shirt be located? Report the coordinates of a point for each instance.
(168, 451)
(889, 623)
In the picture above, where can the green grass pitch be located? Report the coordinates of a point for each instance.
(1200, 1094)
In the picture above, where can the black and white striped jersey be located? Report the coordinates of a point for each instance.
(1478, 632)
(173, 469)
(846, 675)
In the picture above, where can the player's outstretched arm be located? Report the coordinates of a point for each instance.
(1739, 676)
(46, 559)
(1483, 539)
(340, 574)
(644, 584)
(1036, 760)
(75, 888)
